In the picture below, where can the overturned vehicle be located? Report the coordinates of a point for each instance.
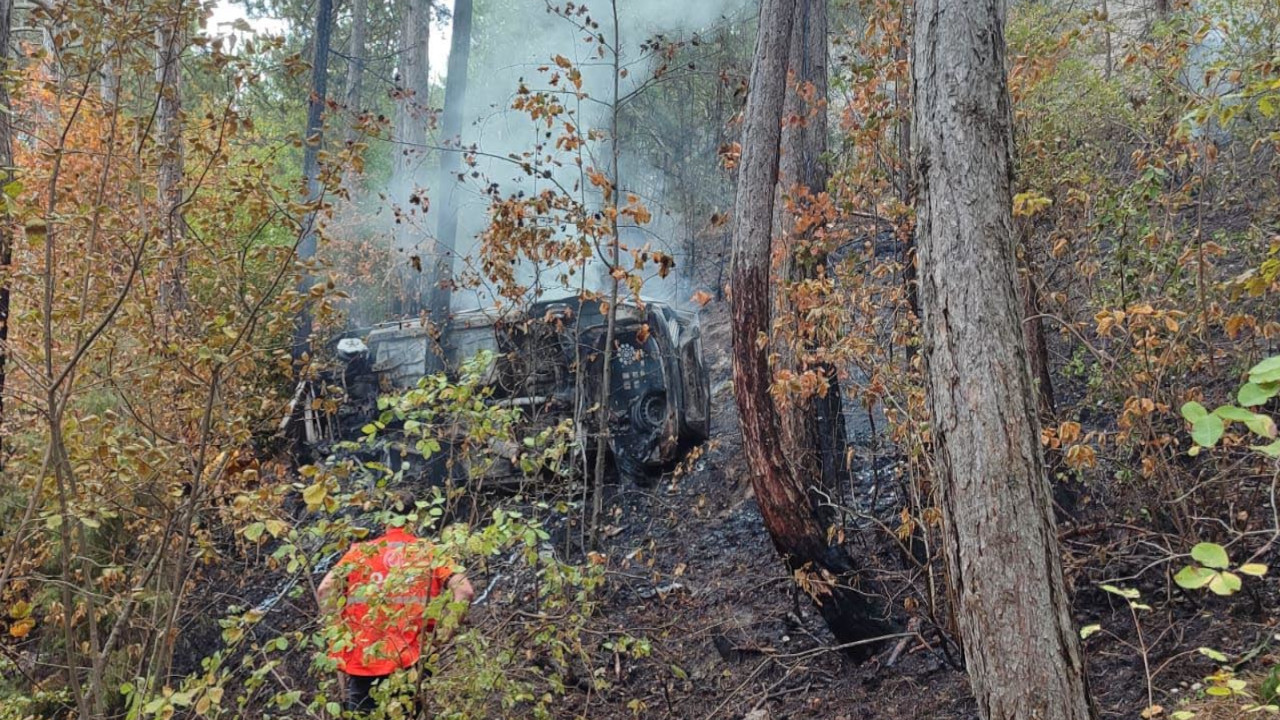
(548, 362)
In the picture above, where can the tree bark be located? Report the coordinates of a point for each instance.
(173, 285)
(813, 426)
(455, 100)
(825, 571)
(311, 169)
(356, 61)
(6, 223)
(1037, 344)
(412, 118)
(1004, 567)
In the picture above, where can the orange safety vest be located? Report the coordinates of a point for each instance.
(390, 580)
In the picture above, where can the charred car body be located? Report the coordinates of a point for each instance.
(548, 362)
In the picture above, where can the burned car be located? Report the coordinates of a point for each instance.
(548, 361)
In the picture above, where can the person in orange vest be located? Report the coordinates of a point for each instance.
(387, 584)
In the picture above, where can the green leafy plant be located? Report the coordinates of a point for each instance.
(1207, 428)
(1212, 570)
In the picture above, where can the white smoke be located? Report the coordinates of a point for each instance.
(528, 36)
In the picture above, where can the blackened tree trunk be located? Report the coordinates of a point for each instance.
(311, 169)
(781, 488)
(1004, 567)
(810, 425)
(173, 284)
(455, 100)
(6, 223)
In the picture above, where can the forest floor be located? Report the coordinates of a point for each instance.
(692, 571)
(711, 595)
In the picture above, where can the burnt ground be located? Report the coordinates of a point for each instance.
(692, 570)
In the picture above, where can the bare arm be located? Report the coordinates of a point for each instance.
(327, 594)
(461, 588)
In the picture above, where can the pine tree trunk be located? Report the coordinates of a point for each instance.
(173, 284)
(781, 488)
(1022, 653)
(455, 101)
(311, 167)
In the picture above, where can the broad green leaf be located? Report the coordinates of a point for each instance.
(1213, 655)
(1182, 715)
(1266, 371)
(1193, 578)
(1225, 584)
(1210, 555)
(1236, 414)
(1193, 411)
(254, 531)
(1207, 431)
(1262, 425)
(1088, 630)
(1254, 569)
(1253, 394)
(1218, 691)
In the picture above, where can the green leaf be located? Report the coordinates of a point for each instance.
(1210, 555)
(1254, 569)
(1207, 431)
(314, 495)
(1236, 414)
(1225, 584)
(1218, 691)
(1127, 593)
(1270, 690)
(1193, 411)
(1262, 426)
(1272, 450)
(1267, 371)
(1213, 655)
(1253, 394)
(1088, 630)
(254, 531)
(1193, 578)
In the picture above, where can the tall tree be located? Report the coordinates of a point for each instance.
(6, 225)
(356, 62)
(781, 487)
(1003, 562)
(311, 166)
(169, 41)
(812, 425)
(455, 100)
(413, 117)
